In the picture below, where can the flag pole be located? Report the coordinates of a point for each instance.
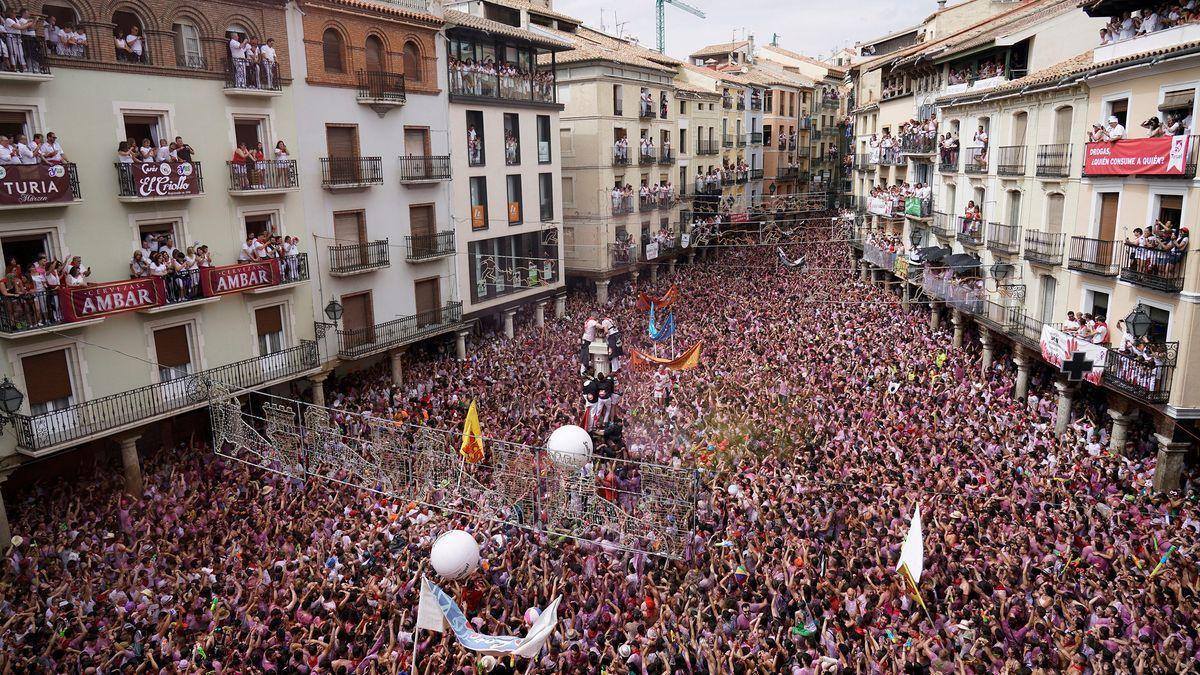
(416, 646)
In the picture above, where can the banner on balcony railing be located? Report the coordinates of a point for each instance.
(237, 278)
(34, 184)
(652, 251)
(900, 267)
(1164, 155)
(91, 302)
(739, 217)
(879, 207)
(912, 207)
(685, 240)
(1059, 347)
(164, 179)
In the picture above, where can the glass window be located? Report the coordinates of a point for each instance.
(543, 139)
(475, 149)
(512, 139)
(332, 51)
(412, 62)
(189, 53)
(546, 196)
(514, 200)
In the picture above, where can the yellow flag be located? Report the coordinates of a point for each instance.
(472, 442)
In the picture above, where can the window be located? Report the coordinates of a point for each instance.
(258, 223)
(130, 34)
(376, 56)
(767, 135)
(427, 295)
(682, 140)
(1054, 212)
(1014, 207)
(269, 324)
(543, 139)
(1062, 124)
(158, 236)
(514, 200)
(1119, 108)
(475, 141)
(1160, 321)
(568, 191)
(189, 53)
(682, 108)
(618, 106)
(479, 214)
(512, 139)
(47, 381)
(1049, 286)
(1095, 302)
(333, 51)
(546, 196)
(142, 128)
(26, 248)
(172, 353)
(358, 319)
(1170, 210)
(412, 62)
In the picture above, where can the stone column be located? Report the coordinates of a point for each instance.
(5, 532)
(460, 344)
(985, 339)
(671, 266)
(633, 277)
(602, 291)
(1023, 364)
(1168, 470)
(508, 323)
(133, 466)
(539, 314)
(1120, 430)
(935, 316)
(1066, 396)
(397, 357)
(866, 269)
(956, 318)
(904, 298)
(560, 306)
(653, 273)
(691, 258)
(599, 351)
(318, 388)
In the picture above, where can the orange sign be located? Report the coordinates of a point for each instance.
(514, 212)
(478, 217)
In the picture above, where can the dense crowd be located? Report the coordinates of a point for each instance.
(502, 79)
(821, 416)
(1151, 19)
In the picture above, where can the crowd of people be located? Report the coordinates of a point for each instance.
(40, 150)
(1158, 249)
(710, 182)
(129, 151)
(1156, 17)
(254, 63)
(988, 68)
(813, 448)
(28, 295)
(254, 169)
(649, 196)
(503, 80)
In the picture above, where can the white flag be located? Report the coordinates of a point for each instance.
(429, 613)
(539, 632)
(912, 551)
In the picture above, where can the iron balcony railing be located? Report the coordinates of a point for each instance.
(727, 103)
(270, 174)
(183, 286)
(622, 205)
(741, 103)
(647, 156)
(422, 168)
(377, 86)
(293, 268)
(666, 156)
(33, 200)
(977, 160)
(1094, 256)
(646, 111)
(948, 160)
(1027, 328)
(917, 144)
(622, 254)
(1147, 379)
(27, 311)
(191, 61)
(1003, 238)
(351, 171)
(664, 201)
(802, 153)
(130, 185)
(1153, 268)
(428, 246)
(787, 173)
(970, 231)
(890, 156)
(538, 86)
(357, 342)
(707, 147)
(620, 156)
(756, 138)
(1044, 248)
(727, 141)
(863, 162)
(943, 225)
(359, 257)
(647, 203)
(756, 174)
(1054, 160)
(243, 74)
(740, 140)
(137, 407)
(24, 53)
(1142, 146)
(1010, 160)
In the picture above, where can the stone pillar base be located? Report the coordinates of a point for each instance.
(560, 306)
(460, 344)
(539, 314)
(132, 465)
(1066, 396)
(509, 329)
(1168, 470)
(318, 388)
(397, 358)
(602, 290)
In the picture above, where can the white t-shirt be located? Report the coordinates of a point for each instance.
(134, 43)
(267, 53)
(25, 152)
(8, 155)
(247, 253)
(1115, 132)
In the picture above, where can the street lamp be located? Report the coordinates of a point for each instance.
(1138, 322)
(915, 237)
(11, 399)
(333, 310)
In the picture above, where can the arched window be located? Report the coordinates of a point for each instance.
(333, 50)
(130, 37)
(412, 62)
(376, 59)
(189, 51)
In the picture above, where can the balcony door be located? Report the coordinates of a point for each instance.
(48, 385)
(420, 225)
(342, 144)
(174, 355)
(427, 293)
(416, 147)
(1049, 288)
(1109, 202)
(358, 320)
(349, 233)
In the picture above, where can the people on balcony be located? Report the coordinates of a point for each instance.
(889, 152)
(1158, 250)
(621, 150)
(512, 148)
(1164, 15)
(980, 152)
(622, 198)
(972, 219)
(646, 104)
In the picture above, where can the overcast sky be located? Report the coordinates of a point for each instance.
(811, 27)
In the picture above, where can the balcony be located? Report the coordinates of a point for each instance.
(917, 144)
(620, 156)
(1162, 157)
(1153, 268)
(31, 186)
(977, 161)
(263, 178)
(621, 254)
(1003, 238)
(707, 147)
(943, 225)
(380, 90)
(1054, 160)
(356, 343)
(646, 111)
(741, 103)
(970, 232)
(756, 174)
(1010, 160)
(622, 205)
(863, 162)
(666, 156)
(801, 153)
(1145, 379)
(755, 103)
(32, 64)
(1094, 256)
(647, 204)
(244, 78)
(740, 140)
(359, 258)
(727, 103)
(424, 169)
(42, 434)
(948, 160)
(740, 177)
(1044, 248)
(918, 207)
(787, 174)
(423, 247)
(159, 181)
(537, 89)
(727, 141)
(647, 157)
(890, 157)
(351, 173)
(756, 138)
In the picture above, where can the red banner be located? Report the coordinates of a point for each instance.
(1162, 156)
(163, 179)
(739, 217)
(89, 302)
(29, 184)
(237, 278)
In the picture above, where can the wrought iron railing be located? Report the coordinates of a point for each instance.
(183, 286)
(1147, 379)
(357, 342)
(727, 141)
(1010, 160)
(756, 174)
(359, 257)
(1054, 160)
(427, 246)
(666, 156)
(293, 268)
(139, 406)
(647, 203)
(1044, 248)
(863, 162)
(128, 184)
(351, 171)
(1003, 238)
(943, 225)
(756, 138)
(620, 156)
(948, 160)
(647, 156)
(1095, 256)
(24, 53)
(420, 168)
(622, 253)
(707, 147)
(28, 311)
(270, 174)
(243, 74)
(977, 160)
(622, 205)
(377, 86)
(646, 110)
(783, 173)
(1153, 268)
(536, 86)
(740, 140)
(917, 144)
(970, 231)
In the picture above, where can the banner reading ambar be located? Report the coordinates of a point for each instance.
(30, 184)
(237, 278)
(1162, 156)
(97, 300)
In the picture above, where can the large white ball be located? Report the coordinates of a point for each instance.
(455, 554)
(570, 446)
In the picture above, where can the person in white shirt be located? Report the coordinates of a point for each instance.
(163, 153)
(1115, 130)
(8, 152)
(266, 62)
(26, 152)
(247, 252)
(237, 54)
(136, 44)
(281, 151)
(50, 151)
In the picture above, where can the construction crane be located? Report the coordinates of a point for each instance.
(662, 27)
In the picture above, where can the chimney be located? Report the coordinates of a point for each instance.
(941, 5)
(750, 48)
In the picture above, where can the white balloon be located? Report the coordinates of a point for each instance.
(455, 554)
(570, 446)
(734, 490)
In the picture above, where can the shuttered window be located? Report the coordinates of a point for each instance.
(172, 352)
(47, 378)
(269, 322)
(1176, 100)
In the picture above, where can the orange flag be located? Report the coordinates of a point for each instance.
(472, 442)
(685, 361)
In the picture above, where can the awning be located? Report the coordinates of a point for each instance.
(961, 262)
(933, 253)
(1174, 100)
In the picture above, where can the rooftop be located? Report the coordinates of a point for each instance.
(456, 18)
